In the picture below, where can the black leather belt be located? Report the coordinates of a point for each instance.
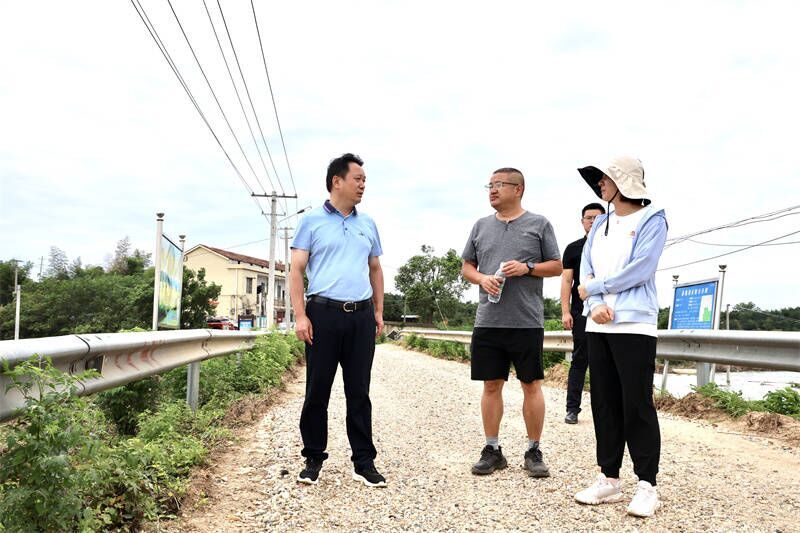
(347, 307)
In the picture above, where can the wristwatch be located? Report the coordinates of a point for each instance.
(531, 267)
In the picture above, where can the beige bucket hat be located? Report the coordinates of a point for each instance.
(626, 172)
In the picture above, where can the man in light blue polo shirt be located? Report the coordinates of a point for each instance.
(339, 248)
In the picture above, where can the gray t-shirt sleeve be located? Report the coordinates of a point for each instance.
(470, 253)
(549, 244)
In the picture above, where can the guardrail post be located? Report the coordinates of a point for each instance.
(664, 377)
(703, 374)
(193, 385)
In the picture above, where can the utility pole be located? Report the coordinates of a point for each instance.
(41, 267)
(17, 298)
(273, 235)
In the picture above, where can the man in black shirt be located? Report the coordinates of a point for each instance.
(572, 313)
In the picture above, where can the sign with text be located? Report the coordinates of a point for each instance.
(694, 305)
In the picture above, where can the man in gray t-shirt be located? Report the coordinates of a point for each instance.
(511, 330)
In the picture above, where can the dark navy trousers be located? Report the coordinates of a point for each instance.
(346, 339)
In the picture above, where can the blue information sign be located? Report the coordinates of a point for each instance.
(695, 305)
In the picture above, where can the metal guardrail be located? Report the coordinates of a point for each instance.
(777, 350)
(120, 358)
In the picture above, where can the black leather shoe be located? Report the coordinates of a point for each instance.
(571, 418)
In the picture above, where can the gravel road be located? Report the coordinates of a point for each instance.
(426, 417)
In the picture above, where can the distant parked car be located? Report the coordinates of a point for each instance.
(220, 322)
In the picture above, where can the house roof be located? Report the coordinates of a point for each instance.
(240, 257)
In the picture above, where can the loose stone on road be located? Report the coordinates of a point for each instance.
(427, 427)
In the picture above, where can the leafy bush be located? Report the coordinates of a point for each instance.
(58, 471)
(64, 468)
(552, 358)
(411, 340)
(122, 405)
(784, 401)
(729, 401)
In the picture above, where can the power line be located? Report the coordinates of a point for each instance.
(767, 314)
(728, 253)
(255, 114)
(214, 94)
(766, 217)
(735, 245)
(163, 49)
(272, 95)
(236, 90)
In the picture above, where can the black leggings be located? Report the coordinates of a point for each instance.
(621, 367)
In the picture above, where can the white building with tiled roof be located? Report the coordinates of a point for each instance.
(240, 276)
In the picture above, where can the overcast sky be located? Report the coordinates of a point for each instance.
(96, 134)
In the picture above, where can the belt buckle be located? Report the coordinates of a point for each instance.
(346, 310)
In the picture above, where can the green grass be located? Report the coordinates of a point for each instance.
(783, 401)
(443, 349)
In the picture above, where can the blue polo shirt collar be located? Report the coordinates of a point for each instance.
(330, 209)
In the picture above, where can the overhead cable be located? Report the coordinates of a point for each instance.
(727, 253)
(214, 94)
(255, 114)
(272, 95)
(766, 217)
(238, 96)
(737, 245)
(164, 52)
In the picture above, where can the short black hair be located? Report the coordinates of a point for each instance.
(507, 170)
(593, 205)
(340, 166)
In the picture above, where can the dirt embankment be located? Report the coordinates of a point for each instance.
(698, 407)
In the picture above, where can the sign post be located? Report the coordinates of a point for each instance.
(695, 306)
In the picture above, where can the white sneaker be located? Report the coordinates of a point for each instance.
(603, 491)
(645, 500)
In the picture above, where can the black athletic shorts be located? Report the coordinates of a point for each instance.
(494, 349)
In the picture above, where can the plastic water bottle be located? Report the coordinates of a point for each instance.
(499, 274)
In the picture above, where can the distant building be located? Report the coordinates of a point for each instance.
(240, 277)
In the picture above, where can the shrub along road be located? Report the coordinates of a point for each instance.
(428, 433)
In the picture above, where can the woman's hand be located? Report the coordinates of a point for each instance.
(602, 314)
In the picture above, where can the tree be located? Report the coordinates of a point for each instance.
(99, 302)
(57, 264)
(196, 300)
(127, 263)
(119, 263)
(7, 278)
(431, 284)
(392, 307)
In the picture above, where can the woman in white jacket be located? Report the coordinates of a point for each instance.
(618, 288)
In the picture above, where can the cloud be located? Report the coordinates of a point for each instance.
(98, 135)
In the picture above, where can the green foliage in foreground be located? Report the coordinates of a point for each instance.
(784, 401)
(117, 460)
